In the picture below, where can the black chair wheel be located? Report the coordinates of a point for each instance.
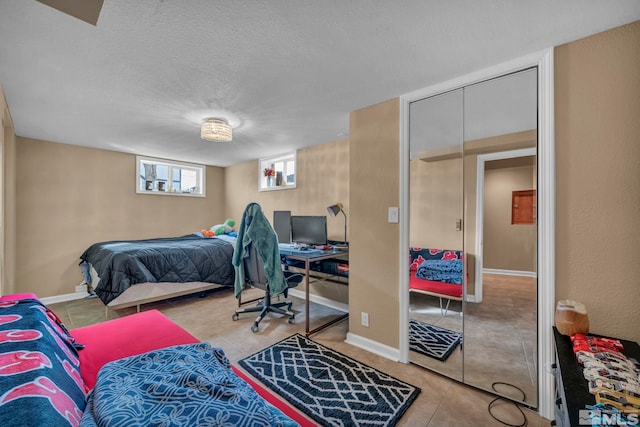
(291, 320)
(289, 306)
(235, 316)
(254, 328)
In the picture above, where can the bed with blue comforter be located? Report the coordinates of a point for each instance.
(42, 382)
(190, 385)
(191, 258)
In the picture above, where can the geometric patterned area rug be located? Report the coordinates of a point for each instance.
(431, 340)
(331, 388)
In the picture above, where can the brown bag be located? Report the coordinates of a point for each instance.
(571, 317)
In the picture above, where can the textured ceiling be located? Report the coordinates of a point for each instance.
(285, 73)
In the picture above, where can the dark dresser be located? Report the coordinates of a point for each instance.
(572, 391)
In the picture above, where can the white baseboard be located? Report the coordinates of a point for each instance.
(62, 298)
(364, 343)
(293, 292)
(373, 347)
(472, 297)
(320, 300)
(510, 272)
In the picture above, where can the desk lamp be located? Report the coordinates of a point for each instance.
(334, 210)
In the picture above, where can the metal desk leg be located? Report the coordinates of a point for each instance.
(325, 325)
(306, 296)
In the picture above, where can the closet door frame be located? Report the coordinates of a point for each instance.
(543, 60)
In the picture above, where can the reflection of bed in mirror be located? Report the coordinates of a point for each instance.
(129, 273)
(435, 336)
(438, 273)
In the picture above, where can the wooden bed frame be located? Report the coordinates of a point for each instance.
(143, 293)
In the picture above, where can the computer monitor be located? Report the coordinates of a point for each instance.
(282, 225)
(310, 230)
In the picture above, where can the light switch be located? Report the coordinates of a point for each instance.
(393, 215)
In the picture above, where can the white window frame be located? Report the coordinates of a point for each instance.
(288, 161)
(201, 177)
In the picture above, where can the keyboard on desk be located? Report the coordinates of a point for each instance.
(291, 248)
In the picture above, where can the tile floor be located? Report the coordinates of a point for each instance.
(503, 331)
(499, 335)
(442, 402)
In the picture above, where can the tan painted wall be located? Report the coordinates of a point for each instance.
(322, 180)
(436, 203)
(507, 246)
(435, 194)
(597, 113)
(69, 197)
(7, 199)
(4, 114)
(374, 243)
(4, 110)
(473, 148)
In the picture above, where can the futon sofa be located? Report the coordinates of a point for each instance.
(141, 369)
(437, 272)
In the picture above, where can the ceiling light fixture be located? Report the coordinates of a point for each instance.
(216, 130)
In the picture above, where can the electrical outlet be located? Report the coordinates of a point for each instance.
(365, 319)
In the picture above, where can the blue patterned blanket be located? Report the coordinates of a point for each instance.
(40, 383)
(449, 271)
(188, 385)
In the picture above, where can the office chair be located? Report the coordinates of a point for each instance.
(255, 277)
(254, 269)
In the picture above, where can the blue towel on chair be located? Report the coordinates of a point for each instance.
(449, 271)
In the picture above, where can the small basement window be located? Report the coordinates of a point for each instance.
(167, 177)
(277, 172)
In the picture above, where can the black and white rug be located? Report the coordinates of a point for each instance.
(330, 387)
(431, 340)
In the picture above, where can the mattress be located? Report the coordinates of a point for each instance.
(166, 262)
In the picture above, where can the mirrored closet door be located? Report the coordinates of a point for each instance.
(435, 230)
(473, 195)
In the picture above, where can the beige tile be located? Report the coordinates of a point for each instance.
(464, 406)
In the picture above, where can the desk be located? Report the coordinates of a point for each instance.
(308, 258)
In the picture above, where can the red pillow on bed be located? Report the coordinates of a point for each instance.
(123, 337)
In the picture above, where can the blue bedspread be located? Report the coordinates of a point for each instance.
(449, 271)
(190, 258)
(187, 385)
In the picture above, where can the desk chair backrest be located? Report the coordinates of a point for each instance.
(254, 269)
